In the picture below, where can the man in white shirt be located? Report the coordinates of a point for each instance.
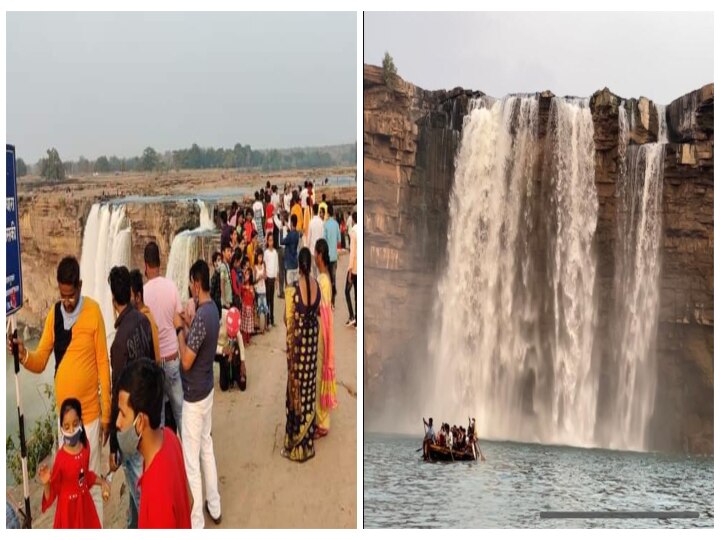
(271, 268)
(287, 198)
(259, 218)
(304, 195)
(316, 231)
(275, 199)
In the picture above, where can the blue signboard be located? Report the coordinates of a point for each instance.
(13, 272)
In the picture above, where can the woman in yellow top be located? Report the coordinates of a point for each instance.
(326, 397)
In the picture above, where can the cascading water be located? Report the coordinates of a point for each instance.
(185, 249)
(636, 286)
(516, 308)
(106, 243)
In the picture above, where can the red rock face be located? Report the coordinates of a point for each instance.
(410, 139)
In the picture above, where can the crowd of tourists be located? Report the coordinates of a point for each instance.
(149, 395)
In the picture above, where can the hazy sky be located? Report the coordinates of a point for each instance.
(657, 55)
(114, 83)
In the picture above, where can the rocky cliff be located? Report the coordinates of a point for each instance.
(410, 139)
(52, 223)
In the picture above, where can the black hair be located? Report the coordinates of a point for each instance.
(223, 216)
(143, 380)
(234, 205)
(152, 255)
(316, 206)
(225, 245)
(68, 272)
(74, 404)
(323, 195)
(304, 262)
(259, 254)
(354, 214)
(136, 282)
(330, 209)
(267, 197)
(274, 188)
(200, 272)
(215, 256)
(322, 249)
(430, 421)
(119, 280)
(237, 256)
(293, 220)
(257, 195)
(253, 234)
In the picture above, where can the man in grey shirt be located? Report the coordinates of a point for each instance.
(197, 354)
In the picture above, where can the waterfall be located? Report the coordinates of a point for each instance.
(636, 286)
(662, 124)
(185, 249)
(106, 243)
(516, 311)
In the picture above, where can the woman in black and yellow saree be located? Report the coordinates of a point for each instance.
(302, 303)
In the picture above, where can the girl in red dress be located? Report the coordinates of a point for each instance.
(247, 319)
(71, 477)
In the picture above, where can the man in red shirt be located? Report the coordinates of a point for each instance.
(166, 500)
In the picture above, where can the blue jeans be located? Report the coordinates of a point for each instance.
(173, 392)
(262, 306)
(133, 469)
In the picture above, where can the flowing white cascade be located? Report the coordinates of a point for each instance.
(637, 271)
(515, 312)
(185, 250)
(106, 243)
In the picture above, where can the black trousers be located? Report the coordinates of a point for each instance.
(350, 284)
(270, 289)
(333, 270)
(281, 271)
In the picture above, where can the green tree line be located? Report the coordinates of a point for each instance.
(240, 156)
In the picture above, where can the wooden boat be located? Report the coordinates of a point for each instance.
(442, 453)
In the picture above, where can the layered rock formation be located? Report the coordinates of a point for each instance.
(52, 225)
(410, 140)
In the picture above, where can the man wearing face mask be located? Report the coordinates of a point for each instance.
(197, 355)
(74, 331)
(133, 340)
(166, 499)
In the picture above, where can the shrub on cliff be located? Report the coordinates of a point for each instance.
(40, 442)
(389, 69)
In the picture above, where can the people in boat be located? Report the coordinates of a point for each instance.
(429, 438)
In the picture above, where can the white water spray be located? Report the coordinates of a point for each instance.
(106, 243)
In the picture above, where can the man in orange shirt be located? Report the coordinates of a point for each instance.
(75, 332)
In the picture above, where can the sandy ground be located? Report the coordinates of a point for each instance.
(258, 487)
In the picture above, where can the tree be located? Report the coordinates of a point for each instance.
(102, 165)
(149, 160)
(52, 166)
(389, 69)
(20, 168)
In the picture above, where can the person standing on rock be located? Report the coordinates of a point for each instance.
(315, 233)
(290, 242)
(351, 279)
(163, 299)
(166, 500)
(280, 221)
(133, 340)
(136, 299)
(272, 269)
(197, 350)
(326, 391)
(331, 234)
(74, 330)
(259, 218)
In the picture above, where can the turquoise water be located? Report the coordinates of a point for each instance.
(518, 481)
